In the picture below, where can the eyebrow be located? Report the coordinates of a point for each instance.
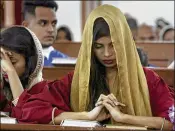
(102, 43)
(41, 20)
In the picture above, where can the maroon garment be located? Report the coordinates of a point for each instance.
(161, 98)
(36, 105)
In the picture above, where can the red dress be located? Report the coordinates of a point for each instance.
(36, 105)
(161, 97)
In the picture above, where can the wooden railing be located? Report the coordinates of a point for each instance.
(159, 54)
(46, 127)
(52, 73)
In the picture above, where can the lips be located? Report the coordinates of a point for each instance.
(108, 61)
(49, 37)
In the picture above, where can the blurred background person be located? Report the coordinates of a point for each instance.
(160, 24)
(167, 33)
(132, 22)
(146, 33)
(144, 58)
(64, 34)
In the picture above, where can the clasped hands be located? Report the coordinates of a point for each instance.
(106, 107)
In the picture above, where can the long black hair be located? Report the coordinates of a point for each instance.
(19, 40)
(97, 83)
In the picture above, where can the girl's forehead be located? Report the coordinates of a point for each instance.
(11, 52)
(8, 50)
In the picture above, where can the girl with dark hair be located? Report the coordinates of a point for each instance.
(109, 83)
(34, 100)
(24, 93)
(108, 73)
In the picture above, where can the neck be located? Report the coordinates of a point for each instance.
(110, 72)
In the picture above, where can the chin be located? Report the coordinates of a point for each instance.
(109, 66)
(46, 45)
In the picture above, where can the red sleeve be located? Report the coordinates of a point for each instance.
(36, 105)
(161, 97)
(5, 105)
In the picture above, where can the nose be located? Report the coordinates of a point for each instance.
(107, 52)
(50, 28)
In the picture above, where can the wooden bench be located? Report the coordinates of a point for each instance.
(47, 127)
(166, 74)
(69, 48)
(52, 73)
(159, 54)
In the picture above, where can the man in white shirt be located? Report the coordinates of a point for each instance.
(40, 17)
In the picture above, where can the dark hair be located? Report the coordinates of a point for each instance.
(67, 31)
(29, 6)
(143, 56)
(132, 23)
(19, 40)
(97, 83)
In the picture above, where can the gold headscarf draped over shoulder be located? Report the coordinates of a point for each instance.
(132, 85)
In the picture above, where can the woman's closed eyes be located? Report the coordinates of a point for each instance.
(98, 45)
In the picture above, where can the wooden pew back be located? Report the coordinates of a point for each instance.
(69, 48)
(53, 73)
(47, 127)
(159, 54)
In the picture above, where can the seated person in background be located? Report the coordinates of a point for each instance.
(167, 34)
(40, 17)
(108, 73)
(22, 84)
(144, 58)
(160, 23)
(132, 22)
(63, 34)
(146, 33)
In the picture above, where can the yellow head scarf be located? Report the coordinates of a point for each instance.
(132, 85)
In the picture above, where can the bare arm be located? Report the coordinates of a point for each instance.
(151, 122)
(71, 115)
(14, 81)
(15, 84)
(96, 114)
(118, 116)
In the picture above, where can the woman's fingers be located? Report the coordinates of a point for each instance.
(101, 98)
(114, 99)
(120, 104)
(2, 54)
(5, 54)
(110, 102)
(111, 99)
(107, 105)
